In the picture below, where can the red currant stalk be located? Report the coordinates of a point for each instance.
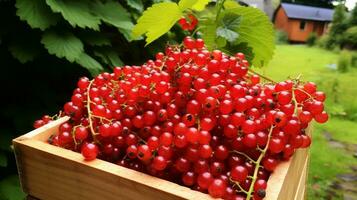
(257, 163)
(90, 112)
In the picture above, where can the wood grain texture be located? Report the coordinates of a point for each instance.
(51, 173)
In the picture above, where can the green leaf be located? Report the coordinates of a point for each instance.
(257, 31)
(157, 20)
(229, 25)
(208, 30)
(113, 13)
(94, 38)
(109, 56)
(226, 33)
(136, 4)
(228, 4)
(36, 13)
(24, 51)
(200, 5)
(77, 13)
(3, 159)
(221, 42)
(93, 66)
(63, 45)
(243, 48)
(185, 4)
(10, 188)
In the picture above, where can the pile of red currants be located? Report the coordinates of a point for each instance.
(202, 119)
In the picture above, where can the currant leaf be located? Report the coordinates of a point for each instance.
(63, 45)
(77, 13)
(154, 25)
(36, 13)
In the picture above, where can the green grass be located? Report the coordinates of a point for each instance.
(326, 162)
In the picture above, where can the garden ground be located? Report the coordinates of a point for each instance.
(333, 164)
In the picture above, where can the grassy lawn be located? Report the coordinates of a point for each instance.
(326, 162)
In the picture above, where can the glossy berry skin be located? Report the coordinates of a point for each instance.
(217, 188)
(204, 180)
(239, 173)
(144, 152)
(90, 151)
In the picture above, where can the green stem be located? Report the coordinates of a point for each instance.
(219, 5)
(262, 76)
(257, 166)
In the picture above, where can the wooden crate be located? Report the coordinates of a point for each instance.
(51, 173)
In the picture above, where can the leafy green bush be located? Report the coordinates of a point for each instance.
(344, 61)
(354, 60)
(311, 39)
(281, 37)
(91, 34)
(349, 38)
(322, 41)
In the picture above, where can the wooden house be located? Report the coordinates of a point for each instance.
(298, 21)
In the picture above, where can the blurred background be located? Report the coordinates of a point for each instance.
(46, 45)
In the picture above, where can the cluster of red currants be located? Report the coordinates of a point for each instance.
(198, 118)
(189, 24)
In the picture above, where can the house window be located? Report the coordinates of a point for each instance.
(302, 25)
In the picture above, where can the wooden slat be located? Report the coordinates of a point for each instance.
(50, 172)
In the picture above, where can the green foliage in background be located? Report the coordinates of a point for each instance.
(281, 37)
(93, 34)
(344, 61)
(350, 37)
(311, 39)
(343, 30)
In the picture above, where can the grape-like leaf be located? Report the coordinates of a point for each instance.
(185, 4)
(227, 33)
(208, 30)
(241, 47)
(25, 48)
(77, 13)
(62, 44)
(113, 13)
(228, 4)
(109, 56)
(23, 52)
(200, 5)
(93, 66)
(257, 31)
(136, 4)
(229, 25)
(157, 20)
(36, 13)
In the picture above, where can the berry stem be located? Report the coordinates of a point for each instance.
(245, 155)
(90, 112)
(219, 8)
(257, 166)
(262, 76)
(240, 187)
